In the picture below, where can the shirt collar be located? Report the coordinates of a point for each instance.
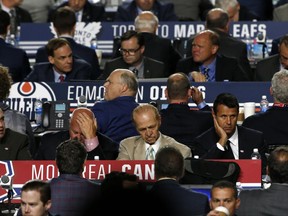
(234, 138)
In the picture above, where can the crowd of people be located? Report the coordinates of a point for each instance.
(120, 128)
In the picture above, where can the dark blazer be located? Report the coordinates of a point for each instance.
(114, 117)
(152, 68)
(183, 124)
(43, 72)
(272, 124)
(91, 12)
(205, 144)
(128, 11)
(226, 68)
(175, 200)
(233, 47)
(15, 59)
(106, 150)
(165, 51)
(266, 68)
(270, 201)
(22, 16)
(73, 195)
(14, 146)
(79, 51)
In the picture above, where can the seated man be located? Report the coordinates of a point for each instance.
(207, 65)
(71, 193)
(83, 127)
(170, 196)
(147, 121)
(132, 49)
(178, 120)
(227, 140)
(61, 66)
(14, 145)
(271, 201)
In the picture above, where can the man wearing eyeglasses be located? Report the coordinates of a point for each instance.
(267, 67)
(132, 49)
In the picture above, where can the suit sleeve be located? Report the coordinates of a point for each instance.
(23, 151)
(123, 152)
(33, 75)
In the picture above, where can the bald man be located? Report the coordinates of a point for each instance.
(83, 127)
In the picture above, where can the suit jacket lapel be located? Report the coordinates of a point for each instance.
(140, 151)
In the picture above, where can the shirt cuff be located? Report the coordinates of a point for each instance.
(91, 144)
(220, 147)
(201, 105)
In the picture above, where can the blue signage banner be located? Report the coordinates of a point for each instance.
(23, 94)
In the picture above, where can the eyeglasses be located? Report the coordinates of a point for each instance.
(128, 51)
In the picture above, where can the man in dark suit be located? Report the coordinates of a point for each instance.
(168, 197)
(64, 23)
(83, 127)
(218, 20)
(114, 113)
(85, 11)
(206, 64)
(14, 145)
(178, 120)
(266, 68)
(14, 58)
(129, 11)
(71, 193)
(147, 23)
(273, 200)
(273, 122)
(132, 49)
(226, 140)
(61, 66)
(17, 14)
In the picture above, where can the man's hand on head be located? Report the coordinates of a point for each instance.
(87, 125)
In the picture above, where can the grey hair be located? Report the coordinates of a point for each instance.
(279, 85)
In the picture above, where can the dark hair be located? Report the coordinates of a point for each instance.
(4, 21)
(5, 83)
(278, 165)
(64, 19)
(130, 34)
(169, 162)
(226, 99)
(225, 184)
(70, 157)
(38, 185)
(284, 40)
(177, 86)
(54, 44)
(217, 22)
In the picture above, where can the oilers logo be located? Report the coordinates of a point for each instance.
(23, 95)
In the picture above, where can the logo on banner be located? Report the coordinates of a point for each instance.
(84, 32)
(6, 168)
(23, 95)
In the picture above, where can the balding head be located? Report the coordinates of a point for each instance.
(146, 22)
(217, 18)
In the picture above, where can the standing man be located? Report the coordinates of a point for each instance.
(147, 121)
(36, 198)
(207, 65)
(273, 200)
(114, 113)
(132, 49)
(170, 197)
(64, 23)
(227, 140)
(71, 194)
(62, 67)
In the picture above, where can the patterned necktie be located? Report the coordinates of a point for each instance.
(205, 71)
(150, 153)
(228, 154)
(12, 21)
(61, 78)
(135, 71)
